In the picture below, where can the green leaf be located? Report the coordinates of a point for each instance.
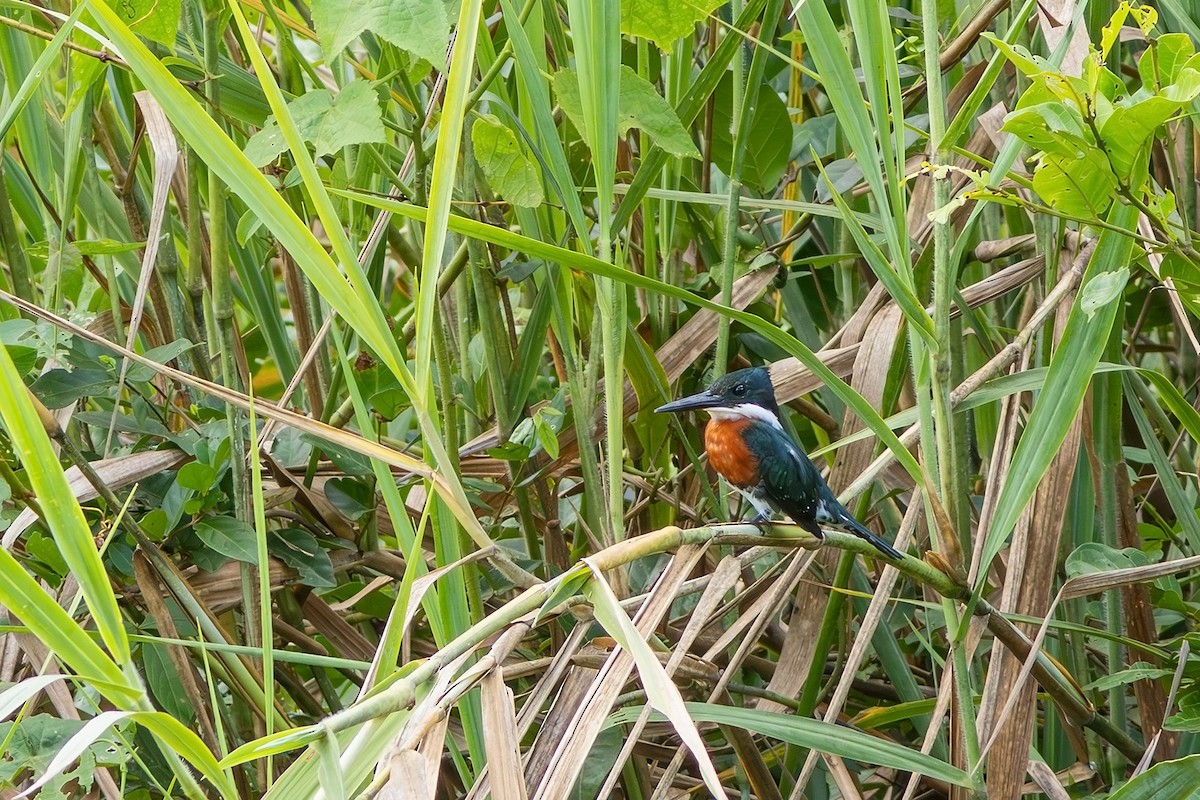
(1102, 290)
(155, 524)
(417, 26)
(1170, 780)
(1092, 558)
(1082, 186)
(175, 736)
(1187, 718)
(24, 358)
(1051, 127)
(1141, 671)
(328, 123)
(139, 373)
(1164, 58)
(511, 173)
(826, 737)
(664, 21)
(59, 388)
(106, 247)
(300, 550)
(1110, 32)
(1020, 57)
(62, 515)
(639, 106)
(768, 142)
(197, 476)
(32, 744)
(1067, 381)
(351, 497)
(43, 549)
(165, 683)
(157, 20)
(1129, 131)
(661, 691)
(230, 537)
(547, 434)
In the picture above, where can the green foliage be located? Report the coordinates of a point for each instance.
(327, 122)
(1094, 134)
(638, 106)
(768, 144)
(1173, 780)
(421, 28)
(510, 171)
(31, 746)
(664, 21)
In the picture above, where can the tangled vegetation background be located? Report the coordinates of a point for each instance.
(330, 333)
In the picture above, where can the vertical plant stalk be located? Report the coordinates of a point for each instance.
(221, 293)
(944, 276)
(795, 102)
(193, 270)
(597, 40)
(743, 110)
(265, 635)
(14, 253)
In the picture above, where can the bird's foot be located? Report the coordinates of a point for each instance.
(762, 521)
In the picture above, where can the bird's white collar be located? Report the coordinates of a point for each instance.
(744, 411)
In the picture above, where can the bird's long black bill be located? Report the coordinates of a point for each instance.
(691, 403)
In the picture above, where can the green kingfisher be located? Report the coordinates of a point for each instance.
(747, 445)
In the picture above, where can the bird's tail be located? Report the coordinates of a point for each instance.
(860, 530)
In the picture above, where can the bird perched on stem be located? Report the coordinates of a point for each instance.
(747, 445)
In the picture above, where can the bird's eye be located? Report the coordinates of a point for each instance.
(739, 389)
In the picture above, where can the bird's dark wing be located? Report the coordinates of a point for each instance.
(791, 481)
(789, 478)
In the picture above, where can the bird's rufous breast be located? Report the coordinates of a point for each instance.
(728, 453)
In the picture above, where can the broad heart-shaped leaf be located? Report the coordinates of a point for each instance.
(33, 743)
(639, 106)
(1091, 558)
(512, 174)
(1170, 780)
(768, 140)
(418, 26)
(1081, 186)
(664, 21)
(326, 122)
(174, 735)
(230, 537)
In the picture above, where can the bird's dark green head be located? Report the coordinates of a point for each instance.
(743, 393)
